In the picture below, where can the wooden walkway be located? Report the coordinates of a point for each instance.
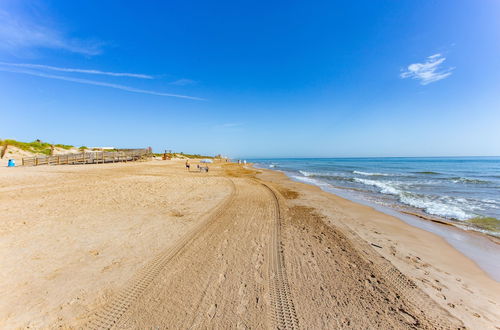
(95, 157)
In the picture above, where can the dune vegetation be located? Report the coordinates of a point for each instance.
(34, 147)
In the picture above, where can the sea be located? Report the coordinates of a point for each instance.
(462, 191)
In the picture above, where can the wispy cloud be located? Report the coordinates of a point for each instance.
(19, 31)
(183, 82)
(429, 71)
(87, 71)
(99, 83)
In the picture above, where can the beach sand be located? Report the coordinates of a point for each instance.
(149, 244)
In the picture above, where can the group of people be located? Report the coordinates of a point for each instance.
(200, 168)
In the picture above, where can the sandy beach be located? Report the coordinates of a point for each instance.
(151, 245)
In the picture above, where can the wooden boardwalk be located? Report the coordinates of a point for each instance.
(94, 157)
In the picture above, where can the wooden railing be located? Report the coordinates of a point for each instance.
(94, 157)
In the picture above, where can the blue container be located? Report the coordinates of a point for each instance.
(12, 163)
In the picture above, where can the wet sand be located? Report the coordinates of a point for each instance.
(149, 244)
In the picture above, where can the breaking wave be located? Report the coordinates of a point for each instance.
(326, 175)
(304, 173)
(310, 180)
(444, 206)
(370, 174)
(466, 180)
(385, 187)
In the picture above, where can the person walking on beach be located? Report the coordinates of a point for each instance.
(187, 165)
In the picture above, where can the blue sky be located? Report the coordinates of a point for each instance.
(255, 79)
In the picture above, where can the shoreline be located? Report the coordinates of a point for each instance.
(475, 245)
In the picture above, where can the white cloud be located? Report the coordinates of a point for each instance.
(19, 31)
(429, 71)
(87, 71)
(99, 83)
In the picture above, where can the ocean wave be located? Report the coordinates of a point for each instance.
(427, 172)
(385, 187)
(310, 180)
(326, 176)
(409, 192)
(466, 226)
(444, 206)
(305, 173)
(466, 180)
(441, 206)
(335, 178)
(492, 203)
(370, 174)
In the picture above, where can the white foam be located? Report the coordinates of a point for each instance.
(385, 187)
(494, 204)
(468, 181)
(310, 180)
(484, 231)
(370, 174)
(444, 206)
(304, 173)
(435, 207)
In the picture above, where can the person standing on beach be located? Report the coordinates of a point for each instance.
(187, 165)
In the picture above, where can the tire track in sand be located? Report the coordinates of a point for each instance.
(108, 316)
(415, 297)
(283, 314)
(220, 279)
